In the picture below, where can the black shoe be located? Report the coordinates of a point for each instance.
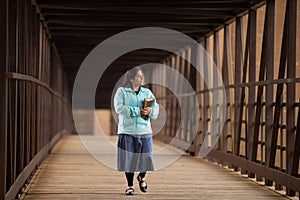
(143, 189)
(129, 191)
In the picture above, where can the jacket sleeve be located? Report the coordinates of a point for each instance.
(155, 108)
(121, 108)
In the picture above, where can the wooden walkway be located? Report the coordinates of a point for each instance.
(70, 172)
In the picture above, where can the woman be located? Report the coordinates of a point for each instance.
(134, 129)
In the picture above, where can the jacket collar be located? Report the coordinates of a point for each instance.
(142, 89)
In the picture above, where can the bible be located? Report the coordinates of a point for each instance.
(148, 102)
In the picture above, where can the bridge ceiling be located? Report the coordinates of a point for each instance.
(77, 26)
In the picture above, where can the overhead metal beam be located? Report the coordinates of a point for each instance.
(141, 9)
(146, 3)
(49, 12)
(130, 24)
(174, 4)
(119, 19)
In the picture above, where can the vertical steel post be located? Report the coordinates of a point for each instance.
(12, 125)
(192, 76)
(242, 96)
(3, 92)
(237, 91)
(290, 94)
(226, 61)
(206, 94)
(296, 148)
(262, 70)
(198, 55)
(252, 78)
(269, 63)
(215, 105)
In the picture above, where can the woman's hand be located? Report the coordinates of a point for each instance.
(145, 112)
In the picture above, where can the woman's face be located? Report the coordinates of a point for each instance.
(138, 79)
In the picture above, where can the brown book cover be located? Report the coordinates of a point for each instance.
(148, 102)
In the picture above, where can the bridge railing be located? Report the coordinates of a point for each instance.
(261, 134)
(35, 107)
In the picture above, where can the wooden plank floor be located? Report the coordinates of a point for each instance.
(70, 172)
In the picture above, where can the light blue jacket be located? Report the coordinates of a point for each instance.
(127, 104)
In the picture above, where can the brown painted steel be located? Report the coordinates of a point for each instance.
(226, 62)
(257, 151)
(36, 90)
(27, 123)
(251, 90)
(291, 90)
(215, 130)
(259, 96)
(3, 99)
(242, 100)
(270, 17)
(237, 91)
(264, 171)
(77, 27)
(296, 154)
(205, 94)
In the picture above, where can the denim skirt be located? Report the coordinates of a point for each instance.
(135, 153)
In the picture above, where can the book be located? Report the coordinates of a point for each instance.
(148, 102)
